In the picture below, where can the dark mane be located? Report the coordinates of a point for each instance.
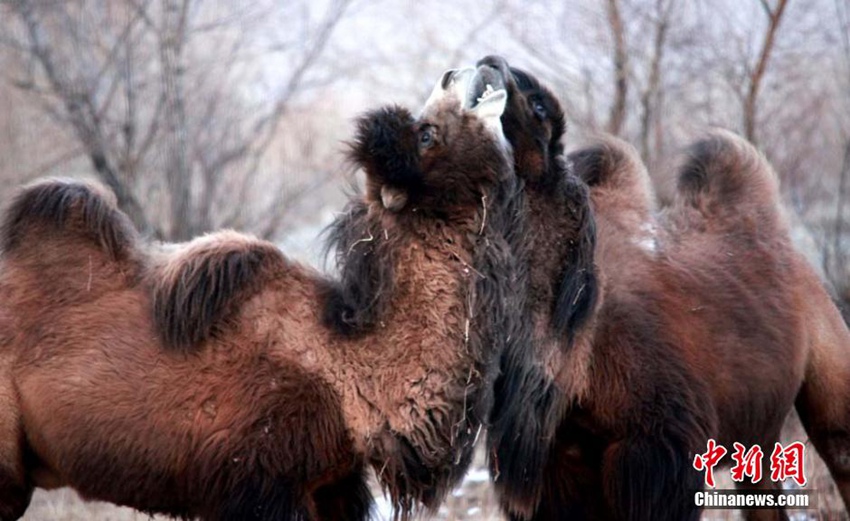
(522, 393)
(361, 294)
(528, 407)
(578, 291)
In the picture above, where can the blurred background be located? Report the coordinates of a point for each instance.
(203, 114)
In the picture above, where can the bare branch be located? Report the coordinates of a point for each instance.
(323, 34)
(757, 75)
(266, 127)
(650, 96)
(81, 116)
(843, 195)
(178, 175)
(621, 65)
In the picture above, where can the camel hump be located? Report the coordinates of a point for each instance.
(608, 162)
(724, 177)
(199, 288)
(55, 212)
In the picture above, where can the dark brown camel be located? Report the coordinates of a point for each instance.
(218, 379)
(708, 325)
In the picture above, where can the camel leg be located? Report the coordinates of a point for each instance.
(572, 481)
(650, 477)
(823, 402)
(15, 490)
(347, 499)
(828, 428)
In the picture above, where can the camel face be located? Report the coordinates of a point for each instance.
(443, 161)
(533, 120)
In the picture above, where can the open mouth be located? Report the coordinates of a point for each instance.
(470, 85)
(485, 82)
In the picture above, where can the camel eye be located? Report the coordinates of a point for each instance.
(539, 109)
(426, 137)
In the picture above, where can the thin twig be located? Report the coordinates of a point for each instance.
(484, 218)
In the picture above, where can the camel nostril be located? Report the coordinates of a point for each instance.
(447, 78)
(495, 62)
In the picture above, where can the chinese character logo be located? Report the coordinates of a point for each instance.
(709, 460)
(785, 462)
(747, 463)
(788, 463)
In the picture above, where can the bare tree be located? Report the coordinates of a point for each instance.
(175, 15)
(651, 95)
(842, 280)
(756, 74)
(118, 75)
(621, 68)
(80, 111)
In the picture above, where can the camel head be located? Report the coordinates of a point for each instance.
(533, 120)
(446, 159)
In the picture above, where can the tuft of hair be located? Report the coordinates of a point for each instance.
(530, 408)
(354, 303)
(578, 292)
(385, 146)
(610, 162)
(198, 290)
(70, 208)
(724, 176)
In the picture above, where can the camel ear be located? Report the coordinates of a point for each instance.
(490, 108)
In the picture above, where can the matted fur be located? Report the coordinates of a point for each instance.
(366, 250)
(558, 247)
(705, 328)
(267, 410)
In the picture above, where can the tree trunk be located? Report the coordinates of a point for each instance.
(178, 174)
(756, 77)
(650, 98)
(621, 85)
(84, 121)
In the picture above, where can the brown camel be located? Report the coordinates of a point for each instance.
(708, 325)
(218, 379)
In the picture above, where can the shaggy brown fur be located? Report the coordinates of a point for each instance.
(562, 286)
(218, 379)
(708, 324)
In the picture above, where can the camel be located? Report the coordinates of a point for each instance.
(708, 324)
(219, 379)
